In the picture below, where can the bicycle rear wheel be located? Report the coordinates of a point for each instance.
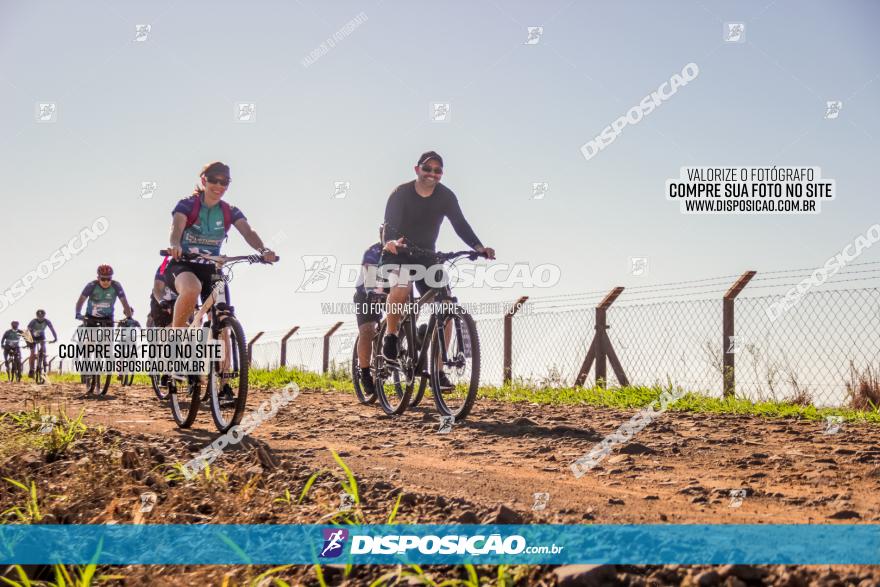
(185, 400)
(362, 395)
(228, 379)
(392, 386)
(102, 387)
(462, 367)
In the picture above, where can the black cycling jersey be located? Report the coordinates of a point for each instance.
(409, 215)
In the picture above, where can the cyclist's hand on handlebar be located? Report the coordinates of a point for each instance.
(175, 252)
(269, 256)
(79, 316)
(391, 246)
(488, 251)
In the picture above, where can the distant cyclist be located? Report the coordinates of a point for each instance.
(10, 342)
(367, 314)
(100, 297)
(413, 215)
(37, 331)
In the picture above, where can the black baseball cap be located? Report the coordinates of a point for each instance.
(430, 155)
(216, 168)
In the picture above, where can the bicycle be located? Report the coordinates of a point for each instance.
(127, 379)
(93, 382)
(232, 369)
(459, 356)
(13, 364)
(40, 366)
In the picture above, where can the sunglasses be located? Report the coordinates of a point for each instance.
(428, 169)
(224, 181)
(105, 278)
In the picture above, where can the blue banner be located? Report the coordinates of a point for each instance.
(210, 544)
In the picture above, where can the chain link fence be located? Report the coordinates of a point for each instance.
(668, 334)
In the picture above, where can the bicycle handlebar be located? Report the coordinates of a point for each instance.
(415, 250)
(223, 258)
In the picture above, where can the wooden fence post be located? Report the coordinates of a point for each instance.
(250, 346)
(284, 345)
(601, 347)
(326, 363)
(508, 338)
(727, 345)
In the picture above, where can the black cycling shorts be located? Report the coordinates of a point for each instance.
(365, 311)
(203, 271)
(161, 316)
(440, 275)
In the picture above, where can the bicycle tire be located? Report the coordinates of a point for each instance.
(160, 390)
(38, 372)
(185, 405)
(417, 398)
(101, 389)
(471, 382)
(239, 359)
(394, 398)
(364, 398)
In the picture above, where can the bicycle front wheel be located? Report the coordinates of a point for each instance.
(101, 388)
(228, 378)
(185, 400)
(394, 385)
(455, 380)
(159, 389)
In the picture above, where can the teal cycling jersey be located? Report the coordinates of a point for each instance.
(38, 328)
(11, 337)
(208, 232)
(101, 300)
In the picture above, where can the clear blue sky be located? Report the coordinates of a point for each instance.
(157, 110)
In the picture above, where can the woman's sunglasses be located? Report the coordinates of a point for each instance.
(429, 169)
(224, 181)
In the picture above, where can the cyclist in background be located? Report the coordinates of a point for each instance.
(413, 215)
(37, 331)
(10, 342)
(101, 295)
(366, 313)
(161, 299)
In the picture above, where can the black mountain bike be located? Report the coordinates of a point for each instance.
(13, 364)
(97, 383)
(448, 345)
(227, 379)
(40, 364)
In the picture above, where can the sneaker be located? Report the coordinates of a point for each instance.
(389, 348)
(367, 383)
(226, 396)
(445, 383)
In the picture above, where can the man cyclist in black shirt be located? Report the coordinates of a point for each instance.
(413, 215)
(37, 330)
(10, 343)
